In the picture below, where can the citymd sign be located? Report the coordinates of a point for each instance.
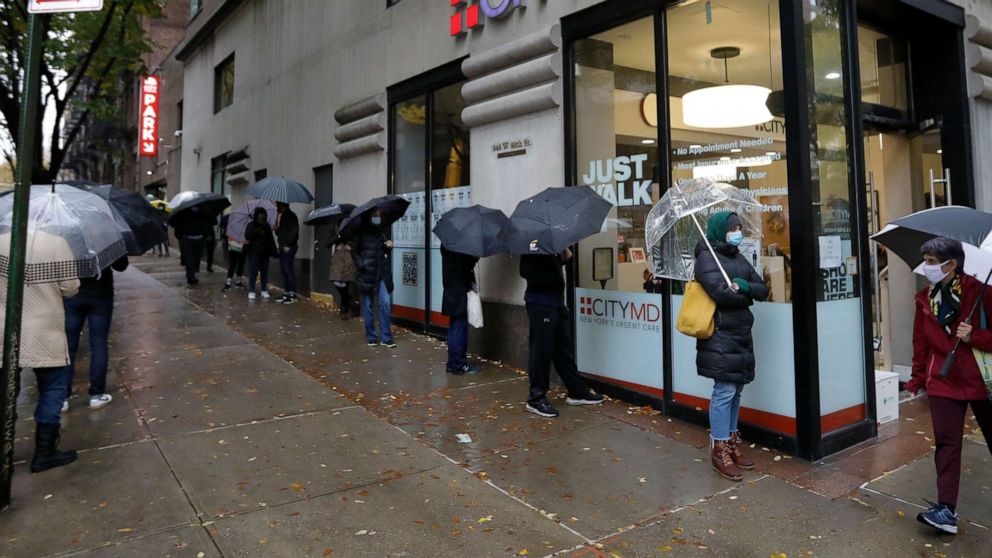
(472, 14)
(148, 144)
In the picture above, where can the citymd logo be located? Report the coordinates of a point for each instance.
(472, 14)
(619, 311)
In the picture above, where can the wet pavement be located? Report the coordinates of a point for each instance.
(256, 429)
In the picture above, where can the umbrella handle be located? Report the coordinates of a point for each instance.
(949, 361)
(723, 272)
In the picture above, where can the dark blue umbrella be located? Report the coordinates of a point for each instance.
(280, 190)
(554, 220)
(208, 206)
(329, 215)
(139, 223)
(472, 230)
(391, 208)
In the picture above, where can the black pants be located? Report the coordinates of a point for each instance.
(349, 302)
(210, 245)
(192, 252)
(235, 264)
(551, 342)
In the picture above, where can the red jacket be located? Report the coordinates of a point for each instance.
(931, 344)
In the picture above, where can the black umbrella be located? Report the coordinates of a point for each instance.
(329, 215)
(554, 220)
(138, 222)
(472, 230)
(207, 206)
(391, 208)
(971, 227)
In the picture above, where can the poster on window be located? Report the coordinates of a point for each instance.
(443, 201)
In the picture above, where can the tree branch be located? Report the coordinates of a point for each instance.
(80, 72)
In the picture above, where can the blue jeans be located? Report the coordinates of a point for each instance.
(286, 261)
(53, 389)
(725, 408)
(457, 342)
(98, 311)
(385, 315)
(258, 266)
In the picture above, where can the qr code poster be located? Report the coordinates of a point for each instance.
(410, 269)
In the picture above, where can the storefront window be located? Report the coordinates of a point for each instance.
(884, 69)
(737, 44)
(619, 333)
(838, 310)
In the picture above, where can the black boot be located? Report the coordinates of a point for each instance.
(46, 449)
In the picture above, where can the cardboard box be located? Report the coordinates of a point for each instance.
(886, 396)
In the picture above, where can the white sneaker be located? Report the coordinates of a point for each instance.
(251, 296)
(98, 401)
(266, 295)
(65, 405)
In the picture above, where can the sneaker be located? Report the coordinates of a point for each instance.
(373, 343)
(193, 281)
(940, 517)
(251, 296)
(98, 401)
(590, 398)
(266, 295)
(65, 405)
(543, 408)
(239, 285)
(388, 344)
(465, 370)
(227, 283)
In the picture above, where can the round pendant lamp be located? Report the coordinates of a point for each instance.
(728, 105)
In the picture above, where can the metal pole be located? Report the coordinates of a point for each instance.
(18, 239)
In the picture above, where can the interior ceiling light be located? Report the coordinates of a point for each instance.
(647, 141)
(728, 105)
(940, 152)
(833, 75)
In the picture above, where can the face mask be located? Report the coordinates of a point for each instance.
(934, 273)
(735, 238)
(377, 221)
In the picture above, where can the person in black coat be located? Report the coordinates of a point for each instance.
(728, 356)
(371, 251)
(458, 278)
(551, 334)
(261, 246)
(191, 231)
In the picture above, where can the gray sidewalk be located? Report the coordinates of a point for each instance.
(258, 429)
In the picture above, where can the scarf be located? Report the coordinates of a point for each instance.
(945, 302)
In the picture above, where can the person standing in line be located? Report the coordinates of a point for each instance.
(235, 256)
(44, 348)
(94, 304)
(371, 253)
(458, 278)
(163, 249)
(728, 356)
(191, 232)
(550, 336)
(343, 272)
(288, 233)
(941, 319)
(210, 242)
(261, 247)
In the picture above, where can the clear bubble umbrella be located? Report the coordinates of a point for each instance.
(677, 223)
(71, 234)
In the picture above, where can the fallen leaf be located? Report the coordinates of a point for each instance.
(485, 519)
(297, 486)
(523, 552)
(362, 532)
(328, 552)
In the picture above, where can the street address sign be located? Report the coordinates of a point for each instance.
(52, 6)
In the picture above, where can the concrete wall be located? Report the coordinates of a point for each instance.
(981, 118)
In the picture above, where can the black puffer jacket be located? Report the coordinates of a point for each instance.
(728, 356)
(457, 276)
(372, 259)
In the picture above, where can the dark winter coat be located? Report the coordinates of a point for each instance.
(289, 229)
(372, 259)
(457, 276)
(102, 286)
(728, 355)
(545, 278)
(259, 236)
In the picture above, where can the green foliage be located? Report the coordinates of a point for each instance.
(87, 58)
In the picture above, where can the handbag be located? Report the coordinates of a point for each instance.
(984, 359)
(696, 315)
(474, 308)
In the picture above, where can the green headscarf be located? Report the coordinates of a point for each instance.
(716, 228)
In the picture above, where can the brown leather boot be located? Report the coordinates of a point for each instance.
(737, 452)
(722, 459)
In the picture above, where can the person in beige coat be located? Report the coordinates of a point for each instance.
(44, 347)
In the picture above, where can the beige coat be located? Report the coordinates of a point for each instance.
(43, 341)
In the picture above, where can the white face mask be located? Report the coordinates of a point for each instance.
(934, 272)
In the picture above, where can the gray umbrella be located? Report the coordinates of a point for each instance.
(554, 220)
(280, 190)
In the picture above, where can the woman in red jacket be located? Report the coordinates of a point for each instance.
(941, 319)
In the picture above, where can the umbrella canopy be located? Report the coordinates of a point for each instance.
(391, 208)
(472, 230)
(329, 215)
(554, 220)
(83, 221)
(139, 223)
(181, 197)
(207, 205)
(280, 190)
(971, 227)
(675, 225)
(238, 221)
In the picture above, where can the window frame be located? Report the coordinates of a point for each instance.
(219, 71)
